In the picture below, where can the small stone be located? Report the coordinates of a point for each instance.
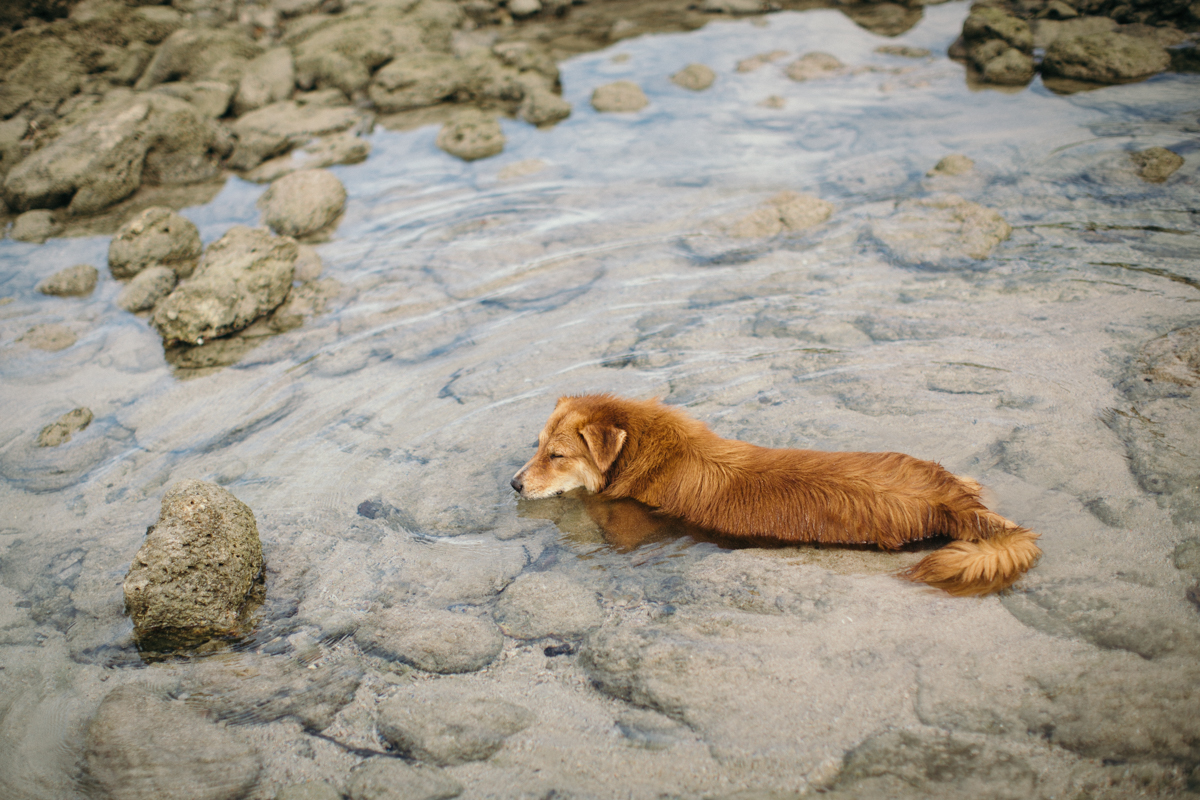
(1156, 164)
(77, 281)
(147, 288)
(773, 101)
(696, 77)
(383, 778)
(954, 164)
(304, 203)
(760, 222)
(754, 62)
(543, 604)
(34, 226)
(435, 641)
(813, 65)
(49, 337)
(155, 237)
(443, 727)
(60, 431)
(801, 211)
(472, 136)
(519, 169)
(524, 8)
(619, 96)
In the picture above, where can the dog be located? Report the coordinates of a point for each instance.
(647, 451)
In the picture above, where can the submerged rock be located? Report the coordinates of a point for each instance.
(197, 566)
(472, 136)
(444, 727)
(200, 54)
(60, 430)
(941, 230)
(1106, 57)
(383, 778)
(303, 203)
(543, 604)
(34, 226)
(785, 211)
(245, 274)
(954, 164)
(157, 237)
(435, 641)
(696, 77)
(619, 96)
(140, 746)
(51, 337)
(77, 281)
(1156, 164)
(814, 65)
(147, 288)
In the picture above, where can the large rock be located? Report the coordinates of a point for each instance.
(435, 641)
(543, 604)
(245, 274)
(303, 203)
(1106, 57)
(124, 140)
(195, 570)
(941, 231)
(157, 237)
(1000, 46)
(343, 53)
(419, 79)
(34, 226)
(199, 54)
(142, 747)
(444, 727)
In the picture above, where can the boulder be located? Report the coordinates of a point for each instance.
(303, 203)
(1156, 164)
(471, 136)
(77, 281)
(999, 45)
(34, 226)
(941, 231)
(446, 727)
(61, 429)
(267, 79)
(157, 237)
(543, 604)
(200, 54)
(343, 53)
(814, 65)
(197, 566)
(147, 288)
(619, 96)
(435, 641)
(419, 79)
(245, 274)
(384, 778)
(987, 23)
(696, 77)
(1106, 57)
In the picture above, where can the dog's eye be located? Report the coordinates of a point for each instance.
(556, 455)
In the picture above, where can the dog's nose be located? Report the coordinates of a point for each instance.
(517, 484)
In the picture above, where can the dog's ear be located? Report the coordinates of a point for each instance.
(604, 442)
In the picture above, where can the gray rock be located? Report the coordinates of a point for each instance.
(941, 230)
(814, 65)
(61, 429)
(435, 641)
(77, 281)
(619, 96)
(542, 604)
(51, 337)
(1156, 164)
(391, 779)
(471, 136)
(303, 203)
(211, 98)
(268, 78)
(197, 565)
(328, 151)
(12, 131)
(147, 288)
(34, 226)
(245, 274)
(278, 127)
(309, 790)
(1001, 64)
(990, 23)
(954, 165)
(542, 107)
(1106, 57)
(157, 237)
(444, 727)
(141, 747)
(417, 80)
(696, 77)
(344, 52)
(200, 54)
(50, 72)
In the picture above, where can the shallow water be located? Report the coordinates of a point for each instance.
(375, 443)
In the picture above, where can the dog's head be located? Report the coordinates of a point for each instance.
(575, 450)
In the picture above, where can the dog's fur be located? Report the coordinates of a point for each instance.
(656, 454)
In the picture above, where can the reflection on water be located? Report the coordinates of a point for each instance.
(375, 441)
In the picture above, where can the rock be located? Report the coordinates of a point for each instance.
(444, 727)
(543, 107)
(77, 281)
(785, 211)
(49, 337)
(342, 53)
(60, 430)
(695, 77)
(1156, 164)
(542, 604)
(34, 226)
(472, 136)
(157, 237)
(211, 98)
(141, 747)
(200, 54)
(435, 641)
(197, 566)
(524, 8)
(303, 203)
(309, 790)
(1002, 65)
(308, 264)
(999, 45)
(813, 65)
(383, 778)
(120, 142)
(903, 50)
(341, 148)
(1106, 57)
(940, 231)
(268, 78)
(416, 80)
(12, 131)
(760, 222)
(988, 23)
(245, 274)
(619, 96)
(49, 73)
(734, 6)
(754, 62)
(954, 164)
(278, 127)
(147, 288)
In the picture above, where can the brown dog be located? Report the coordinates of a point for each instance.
(653, 453)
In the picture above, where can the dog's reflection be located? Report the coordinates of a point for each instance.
(623, 525)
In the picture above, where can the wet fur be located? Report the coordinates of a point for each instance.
(657, 455)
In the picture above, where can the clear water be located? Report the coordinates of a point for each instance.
(470, 300)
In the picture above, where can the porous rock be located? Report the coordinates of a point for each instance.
(142, 747)
(61, 429)
(1156, 164)
(278, 127)
(328, 151)
(156, 237)
(268, 78)
(543, 604)
(210, 98)
(245, 274)
(784, 211)
(813, 65)
(49, 336)
(383, 778)
(445, 727)
(1106, 57)
(1003, 65)
(77, 281)
(988, 23)
(941, 230)
(34, 226)
(472, 136)
(432, 640)
(195, 570)
(303, 203)
(198, 54)
(696, 77)
(147, 288)
(954, 164)
(619, 96)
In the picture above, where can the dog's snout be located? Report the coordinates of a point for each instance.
(517, 483)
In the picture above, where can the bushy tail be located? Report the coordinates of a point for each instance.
(981, 566)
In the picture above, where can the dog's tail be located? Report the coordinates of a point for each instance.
(979, 566)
